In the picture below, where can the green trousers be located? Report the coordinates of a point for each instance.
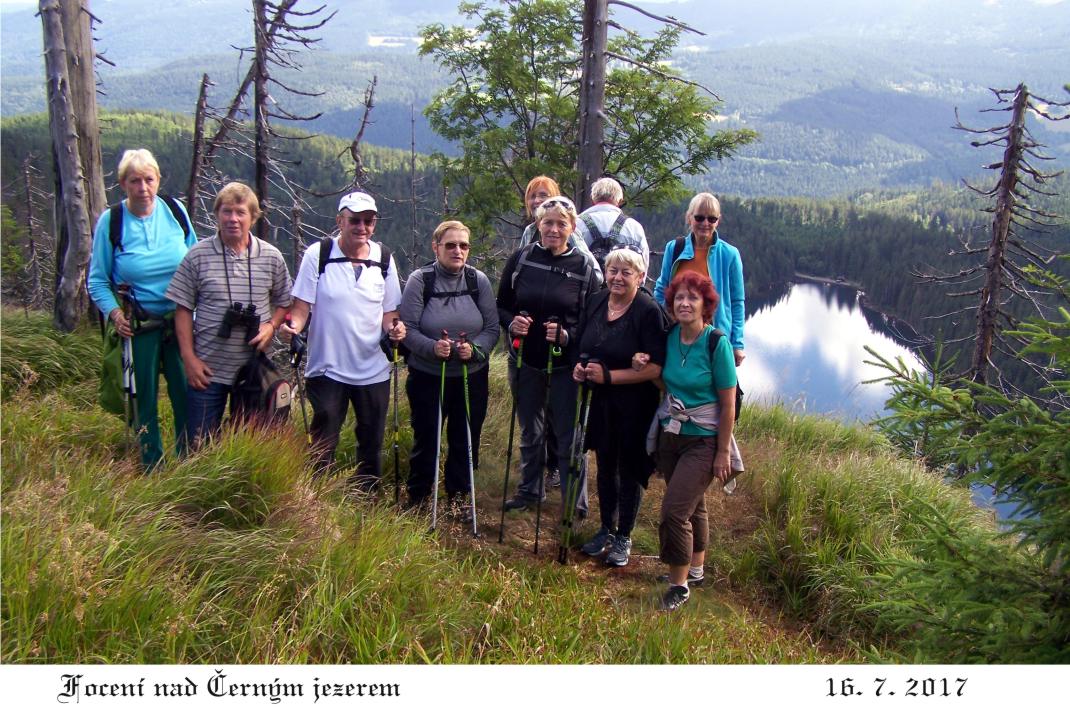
(156, 351)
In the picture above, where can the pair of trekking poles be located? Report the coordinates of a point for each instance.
(579, 429)
(463, 339)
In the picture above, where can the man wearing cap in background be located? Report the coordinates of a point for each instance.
(351, 283)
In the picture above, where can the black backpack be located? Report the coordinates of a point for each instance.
(711, 346)
(260, 393)
(383, 263)
(115, 221)
(601, 245)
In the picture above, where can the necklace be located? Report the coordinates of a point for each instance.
(615, 312)
(684, 353)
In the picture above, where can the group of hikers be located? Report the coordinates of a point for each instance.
(595, 361)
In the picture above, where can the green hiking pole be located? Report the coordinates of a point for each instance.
(397, 427)
(438, 439)
(569, 497)
(553, 351)
(518, 346)
(468, 433)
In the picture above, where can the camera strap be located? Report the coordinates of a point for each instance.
(226, 271)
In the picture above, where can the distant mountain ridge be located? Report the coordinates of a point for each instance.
(846, 98)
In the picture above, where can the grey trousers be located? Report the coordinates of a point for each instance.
(529, 389)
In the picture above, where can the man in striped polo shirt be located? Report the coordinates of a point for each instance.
(232, 292)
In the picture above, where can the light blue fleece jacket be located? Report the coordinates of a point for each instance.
(726, 271)
(152, 248)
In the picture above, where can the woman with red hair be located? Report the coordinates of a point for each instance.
(694, 424)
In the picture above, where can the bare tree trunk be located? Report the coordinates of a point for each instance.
(31, 236)
(412, 190)
(297, 242)
(591, 157)
(988, 309)
(260, 99)
(78, 38)
(74, 258)
(197, 163)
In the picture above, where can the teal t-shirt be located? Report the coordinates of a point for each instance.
(691, 376)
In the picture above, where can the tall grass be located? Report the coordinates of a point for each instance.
(236, 554)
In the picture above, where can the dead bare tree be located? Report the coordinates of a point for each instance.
(277, 45)
(1002, 277)
(591, 157)
(69, 62)
(197, 162)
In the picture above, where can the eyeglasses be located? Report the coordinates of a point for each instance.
(357, 220)
(456, 246)
(705, 218)
(559, 202)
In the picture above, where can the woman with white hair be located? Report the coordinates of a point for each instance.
(544, 289)
(137, 246)
(618, 323)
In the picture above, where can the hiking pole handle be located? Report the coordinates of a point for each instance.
(555, 350)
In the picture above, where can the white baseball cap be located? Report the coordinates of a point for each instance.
(357, 202)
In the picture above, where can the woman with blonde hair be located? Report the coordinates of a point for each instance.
(137, 246)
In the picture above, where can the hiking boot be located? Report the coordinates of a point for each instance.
(518, 502)
(691, 581)
(553, 478)
(598, 544)
(619, 552)
(674, 598)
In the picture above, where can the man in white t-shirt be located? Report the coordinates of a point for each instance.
(604, 225)
(354, 293)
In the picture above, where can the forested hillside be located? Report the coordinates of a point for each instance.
(875, 240)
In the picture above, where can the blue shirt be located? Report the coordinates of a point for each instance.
(726, 272)
(151, 250)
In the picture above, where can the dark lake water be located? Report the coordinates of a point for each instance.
(805, 349)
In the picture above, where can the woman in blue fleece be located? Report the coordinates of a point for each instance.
(143, 255)
(703, 251)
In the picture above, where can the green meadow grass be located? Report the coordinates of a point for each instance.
(237, 554)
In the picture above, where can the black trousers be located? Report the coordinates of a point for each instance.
(423, 391)
(619, 492)
(330, 402)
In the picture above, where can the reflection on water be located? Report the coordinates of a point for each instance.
(805, 349)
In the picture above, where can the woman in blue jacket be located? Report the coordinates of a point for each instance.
(703, 251)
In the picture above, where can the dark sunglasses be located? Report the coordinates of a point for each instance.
(455, 246)
(357, 220)
(705, 218)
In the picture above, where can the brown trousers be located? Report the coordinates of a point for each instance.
(687, 464)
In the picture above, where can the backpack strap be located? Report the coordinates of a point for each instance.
(711, 346)
(471, 283)
(177, 213)
(115, 227)
(383, 263)
(596, 234)
(678, 246)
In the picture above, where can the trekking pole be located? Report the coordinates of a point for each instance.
(438, 439)
(129, 382)
(397, 459)
(553, 351)
(468, 433)
(297, 352)
(518, 346)
(568, 496)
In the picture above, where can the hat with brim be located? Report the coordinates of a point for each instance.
(357, 202)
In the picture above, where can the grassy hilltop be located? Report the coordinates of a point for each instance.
(235, 555)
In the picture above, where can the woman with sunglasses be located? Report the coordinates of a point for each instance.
(703, 251)
(542, 294)
(618, 323)
(441, 303)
